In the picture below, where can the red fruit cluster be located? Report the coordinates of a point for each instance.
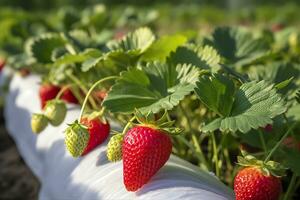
(251, 184)
(48, 92)
(98, 131)
(145, 150)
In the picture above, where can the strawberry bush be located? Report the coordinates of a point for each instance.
(226, 100)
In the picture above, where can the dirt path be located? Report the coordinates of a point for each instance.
(16, 179)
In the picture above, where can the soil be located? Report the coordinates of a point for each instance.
(16, 179)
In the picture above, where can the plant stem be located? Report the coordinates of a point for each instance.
(194, 138)
(61, 91)
(127, 125)
(262, 140)
(279, 143)
(197, 154)
(215, 155)
(291, 186)
(81, 86)
(70, 49)
(90, 91)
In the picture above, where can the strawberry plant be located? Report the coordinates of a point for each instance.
(205, 98)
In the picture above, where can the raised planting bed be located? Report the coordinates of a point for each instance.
(92, 176)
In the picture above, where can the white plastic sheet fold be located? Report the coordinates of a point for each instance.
(92, 176)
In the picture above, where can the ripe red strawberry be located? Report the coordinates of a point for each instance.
(69, 97)
(98, 131)
(145, 151)
(2, 64)
(251, 184)
(47, 92)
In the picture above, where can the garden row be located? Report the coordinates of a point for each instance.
(221, 100)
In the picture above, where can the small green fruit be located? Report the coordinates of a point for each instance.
(76, 139)
(38, 123)
(55, 111)
(114, 148)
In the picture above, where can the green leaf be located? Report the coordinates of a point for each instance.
(116, 58)
(138, 41)
(238, 45)
(204, 57)
(292, 160)
(41, 47)
(277, 73)
(217, 93)
(297, 96)
(294, 112)
(77, 58)
(152, 88)
(161, 48)
(255, 104)
(19, 61)
(283, 84)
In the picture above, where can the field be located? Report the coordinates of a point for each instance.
(216, 87)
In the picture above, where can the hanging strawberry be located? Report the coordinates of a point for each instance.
(68, 96)
(146, 147)
(55, 111)
(114, 148)
(38, 123)
(258, 180)
(92, 130)
(89, 131)
(47, 92)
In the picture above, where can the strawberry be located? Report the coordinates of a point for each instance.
(83, 137)
(69, 97)
(251, 184)
(145, 150)
(55, 111)
(2, 64)
(114, 148)
(47, 92)
(38, 123)
(76, 138)
(98, 132)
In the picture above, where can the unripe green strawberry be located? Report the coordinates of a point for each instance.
(76, 138)
(114, 148)
(38, 122)
(55, 111)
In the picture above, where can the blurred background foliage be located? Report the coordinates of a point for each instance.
(48, 4)
(20, 19)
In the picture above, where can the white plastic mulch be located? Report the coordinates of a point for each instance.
(92, 176)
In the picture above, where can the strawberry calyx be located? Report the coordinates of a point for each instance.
(95, 115)
(267, 168)
(152, 120)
